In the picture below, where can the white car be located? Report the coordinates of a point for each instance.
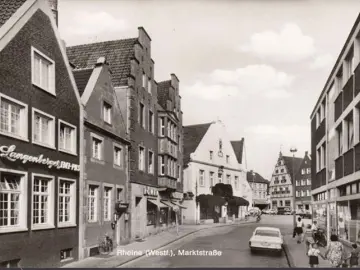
(266, 238)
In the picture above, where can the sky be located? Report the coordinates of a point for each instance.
(259, 66)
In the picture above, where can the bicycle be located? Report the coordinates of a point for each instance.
(106, 245)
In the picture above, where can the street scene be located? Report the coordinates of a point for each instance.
(137, 134)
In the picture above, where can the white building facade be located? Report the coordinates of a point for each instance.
(211, 159)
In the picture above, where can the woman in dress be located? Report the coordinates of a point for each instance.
(334, 252)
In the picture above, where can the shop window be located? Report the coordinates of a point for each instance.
(66, 254)
(307, 207)
(173, 216)
(354, 188)
(163, 215)
(151, 214)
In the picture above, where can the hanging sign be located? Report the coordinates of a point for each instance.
(9, 153)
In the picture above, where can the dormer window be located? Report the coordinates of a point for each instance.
(227, 159)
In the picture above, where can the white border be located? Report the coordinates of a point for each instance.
(51, 203)
(73, 191)
(23, 212)
(74, 152)
(25, 128)
(52, 77)
(52, 128)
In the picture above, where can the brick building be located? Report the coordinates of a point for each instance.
(303, 186)
(40, 140)
(170, 132)
(335, 144)
(133, 80)
(106, 155)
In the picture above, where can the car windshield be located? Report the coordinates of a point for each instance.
(269, 233)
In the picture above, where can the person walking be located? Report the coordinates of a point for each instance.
(354, 256)
(299, 230)
(309, 240)
(334, 252)
(314, 254)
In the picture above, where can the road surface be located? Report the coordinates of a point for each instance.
(231, 241)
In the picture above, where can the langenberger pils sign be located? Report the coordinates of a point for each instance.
(9, 153)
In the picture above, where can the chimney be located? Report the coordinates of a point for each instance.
(54, 8)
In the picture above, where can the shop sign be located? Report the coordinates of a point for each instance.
(149, 191)
(177, 195)
(9, 153)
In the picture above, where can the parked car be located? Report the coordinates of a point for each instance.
(266, 238)
(266, 212)
(273, 212)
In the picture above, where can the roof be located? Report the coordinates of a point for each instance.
(118, 54)
(8, 8)
(289, 162)
(238, 147)
(82, 77)
(328, 81)
(192, 137)
(257, 178)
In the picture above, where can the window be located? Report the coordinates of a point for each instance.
(141, 158)
(43, 71)
(349, 62)
(211, 155)
(303, 182)
(43, 128)
(66, 254)
(43, 197)
(151, 210)
(201, 178)
(236, 182)
(107, 112)
(302, 193)
(350, 131)
(308, 182)
(67, 202)
(323, 155)
(308, 170)
(149, 85)
(340, 140)
(178, 173)
(302, 171)
(13, 118)
(228, 179)
(212, 180)
(107, 203)
(227, 159)
(220, 177)
(162, 165)
(151, 162)
(339, 81)
(13, 201)
(297, 183)
(318, 119)
(117, 156)
(151, 121)
(97, 148)
(92, 203)
(276, 171)
(168, 128)
(282, 170)
(67, 137)
(144, 80)
(318, 159)
(142, 115)
(162, 126)
(308, 193)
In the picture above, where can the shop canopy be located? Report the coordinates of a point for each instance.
(157, 203)
(177, 204)
(168, 204)
(238, 201)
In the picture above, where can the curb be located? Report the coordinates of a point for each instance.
(181, 237)
(288, 256)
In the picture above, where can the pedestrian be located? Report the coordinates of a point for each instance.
(314, 254)
(354, 256)
(334, 252)
(314, 227)
(309, 240)
(299, 230)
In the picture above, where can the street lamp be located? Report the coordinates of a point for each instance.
(293, 150)
(253, 188)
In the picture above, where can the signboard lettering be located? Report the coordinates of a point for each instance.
(9, 153)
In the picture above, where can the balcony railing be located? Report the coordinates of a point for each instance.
(167, 182)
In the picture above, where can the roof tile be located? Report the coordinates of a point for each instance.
(8, 8)
(118, 54)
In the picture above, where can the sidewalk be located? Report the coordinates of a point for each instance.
(151, 243)
(296, 254)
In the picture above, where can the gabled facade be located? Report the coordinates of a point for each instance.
(106, 159)
(210, 159)
(281, 189)
(41, 140)
(259, 187)
(303, 185)
(335, 143)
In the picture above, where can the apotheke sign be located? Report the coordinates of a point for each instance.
(9, 153)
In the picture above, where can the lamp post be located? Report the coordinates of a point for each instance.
(253, 188)
(293, 151)
(196, 203)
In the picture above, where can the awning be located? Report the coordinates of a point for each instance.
(157, 203)
(177, 204)
(168, 204)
